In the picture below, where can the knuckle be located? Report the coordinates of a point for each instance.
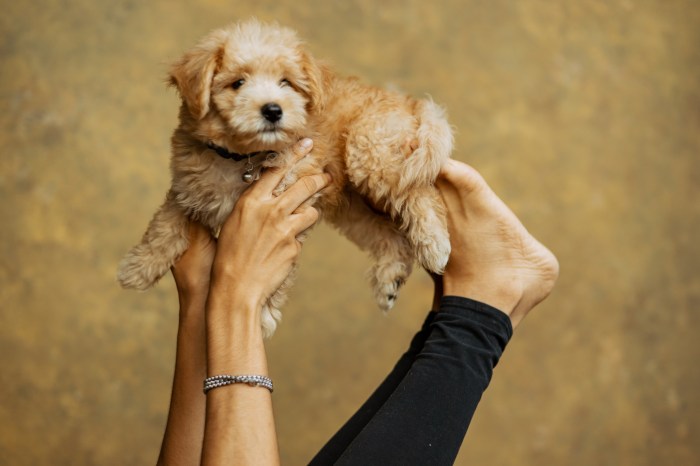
(290, 239)
(283, 233)
(313, 214)
(244, 202)
(250, 204)
(278, 210)
(297, 247)
(310, 183)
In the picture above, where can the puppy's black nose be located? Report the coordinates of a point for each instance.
(271, 111)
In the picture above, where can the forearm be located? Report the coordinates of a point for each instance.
(239, 418)
(255, 251)
(182, 442)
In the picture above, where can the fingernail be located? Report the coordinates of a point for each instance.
(306, 143)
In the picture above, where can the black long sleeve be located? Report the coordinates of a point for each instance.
(420, 413)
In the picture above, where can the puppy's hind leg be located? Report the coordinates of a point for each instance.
(395, 164)
(386, 244)
(424, 222)
(389, 273)
(417, 200)
(165, 240)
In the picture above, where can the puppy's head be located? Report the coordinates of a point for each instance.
(251, 86)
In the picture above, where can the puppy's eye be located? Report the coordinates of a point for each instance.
(237, 84)
(285, 83)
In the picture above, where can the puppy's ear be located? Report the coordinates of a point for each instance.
(316, 76)
(194, 72)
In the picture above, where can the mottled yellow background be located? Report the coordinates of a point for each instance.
(584, 115)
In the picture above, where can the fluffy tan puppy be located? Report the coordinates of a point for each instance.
(251, 90)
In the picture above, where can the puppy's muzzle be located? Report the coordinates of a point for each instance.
(272, 112)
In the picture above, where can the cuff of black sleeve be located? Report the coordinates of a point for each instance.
(480, 311)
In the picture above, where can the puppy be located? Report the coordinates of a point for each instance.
(251, 90)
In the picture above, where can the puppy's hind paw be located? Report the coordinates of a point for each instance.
(386, 280)
(433, 255)
(386, 297)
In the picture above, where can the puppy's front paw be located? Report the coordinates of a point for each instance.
(139, 270)
(387, 278)
(434, 253)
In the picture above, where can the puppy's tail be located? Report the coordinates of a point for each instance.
(434, 145)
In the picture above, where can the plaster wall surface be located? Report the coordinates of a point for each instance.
(583, 115)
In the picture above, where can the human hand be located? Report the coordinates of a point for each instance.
(494, 259)
(258, 244)
(193, 270)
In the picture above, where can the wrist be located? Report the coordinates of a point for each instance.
(234, 334)
(232, 309)
(227, 294)
(192, 305)
(228, 283)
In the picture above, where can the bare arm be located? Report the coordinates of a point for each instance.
(220, 330)
(182, 442)
(257, 249)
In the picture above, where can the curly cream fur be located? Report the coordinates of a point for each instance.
(383, 149)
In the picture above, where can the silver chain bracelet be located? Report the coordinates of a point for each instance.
(252, 380)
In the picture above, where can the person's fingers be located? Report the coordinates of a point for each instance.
(304, 218)
(270, 178)
(304, 188)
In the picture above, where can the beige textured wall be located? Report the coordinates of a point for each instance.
(584, 115)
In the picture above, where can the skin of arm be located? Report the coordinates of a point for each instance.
(257, 249)
(184, 431)
(222, 286)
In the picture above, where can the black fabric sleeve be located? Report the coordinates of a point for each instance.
(335, 447)
(421, 412)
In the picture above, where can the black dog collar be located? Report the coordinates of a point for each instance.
(224, 153)
(252, 171)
